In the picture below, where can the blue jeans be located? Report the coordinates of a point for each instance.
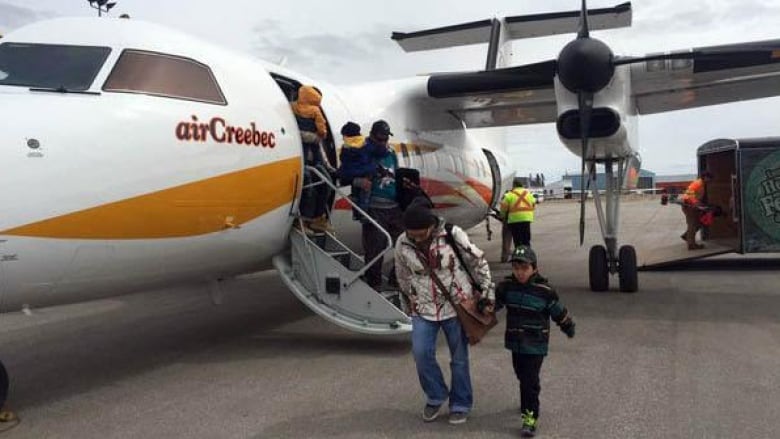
(424, 334)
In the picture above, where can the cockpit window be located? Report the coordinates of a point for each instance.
(164, 75)
(50, 66)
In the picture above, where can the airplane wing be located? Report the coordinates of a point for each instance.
(707, 76)
(501, 97)
(659, 83)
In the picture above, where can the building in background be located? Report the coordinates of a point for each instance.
(674, 184)
(644, 181)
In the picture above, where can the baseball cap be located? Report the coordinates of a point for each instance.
(523, 253)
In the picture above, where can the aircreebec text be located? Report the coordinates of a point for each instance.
(218, 130)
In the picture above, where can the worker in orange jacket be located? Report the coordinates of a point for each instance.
(692, 200)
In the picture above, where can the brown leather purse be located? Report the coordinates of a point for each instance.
(475, 323)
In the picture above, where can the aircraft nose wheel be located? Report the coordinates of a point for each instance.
(627, 269)
(598, 268)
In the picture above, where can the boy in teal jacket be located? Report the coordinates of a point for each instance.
(530, 302)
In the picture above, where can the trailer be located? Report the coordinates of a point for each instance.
(746, 185)
(745, 189)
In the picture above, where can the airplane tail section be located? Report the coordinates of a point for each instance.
(499, 31)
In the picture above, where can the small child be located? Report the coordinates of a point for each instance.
(531, 302)
(357, 167)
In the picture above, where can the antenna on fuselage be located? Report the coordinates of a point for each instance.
(101, 6)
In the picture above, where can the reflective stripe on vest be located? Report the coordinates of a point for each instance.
(522, 210)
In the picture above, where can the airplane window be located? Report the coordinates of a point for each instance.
(164, 75)
(50, 66)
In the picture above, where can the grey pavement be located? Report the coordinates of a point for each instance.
(694, 354)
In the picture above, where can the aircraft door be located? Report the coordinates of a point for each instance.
(495, 173)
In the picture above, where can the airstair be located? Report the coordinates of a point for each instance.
(325, 274)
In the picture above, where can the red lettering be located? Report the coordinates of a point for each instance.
(220, 132)
(230, 130)
(219, 138)
(256, 136)
(183, 131)
(195, 132)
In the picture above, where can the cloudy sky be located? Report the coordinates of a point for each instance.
(347, 41)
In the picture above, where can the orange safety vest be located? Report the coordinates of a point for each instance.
(694, 193)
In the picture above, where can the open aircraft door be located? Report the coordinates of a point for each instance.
(495, 173)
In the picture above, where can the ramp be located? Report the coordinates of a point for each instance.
(661, 256)
(657, 240)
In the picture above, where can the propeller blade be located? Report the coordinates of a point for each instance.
(585, 102)
(584, 31)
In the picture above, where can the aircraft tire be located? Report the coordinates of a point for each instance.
(598, 268)
(3, 385)
(629, 283)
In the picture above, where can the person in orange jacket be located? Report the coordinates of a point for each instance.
(313, 129)
(692, 200)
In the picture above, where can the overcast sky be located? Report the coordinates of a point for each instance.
(346, 41)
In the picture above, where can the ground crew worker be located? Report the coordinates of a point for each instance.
(506, 234)
(692, 200)
(517, 209)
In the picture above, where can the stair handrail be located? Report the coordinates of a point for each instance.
(326, 180)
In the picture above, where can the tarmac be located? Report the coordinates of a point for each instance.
(694, 354)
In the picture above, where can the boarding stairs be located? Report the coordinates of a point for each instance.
(326, 275)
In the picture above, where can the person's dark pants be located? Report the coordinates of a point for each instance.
(527, 368)
(374, 241)
(506, 241)
(314, 199)
(521, 233)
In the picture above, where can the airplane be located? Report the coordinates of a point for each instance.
(140, 157)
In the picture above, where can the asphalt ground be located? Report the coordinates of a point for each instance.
(694, 354)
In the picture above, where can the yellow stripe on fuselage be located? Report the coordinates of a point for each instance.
(191, 209)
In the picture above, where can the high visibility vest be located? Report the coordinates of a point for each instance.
(518, 206)
(694, 193)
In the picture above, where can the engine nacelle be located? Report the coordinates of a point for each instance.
(613, 119)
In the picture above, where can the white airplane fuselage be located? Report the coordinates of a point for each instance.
(107, 191)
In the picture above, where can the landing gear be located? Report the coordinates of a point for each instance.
(629, 282)
(598, 268)
(606, 259)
